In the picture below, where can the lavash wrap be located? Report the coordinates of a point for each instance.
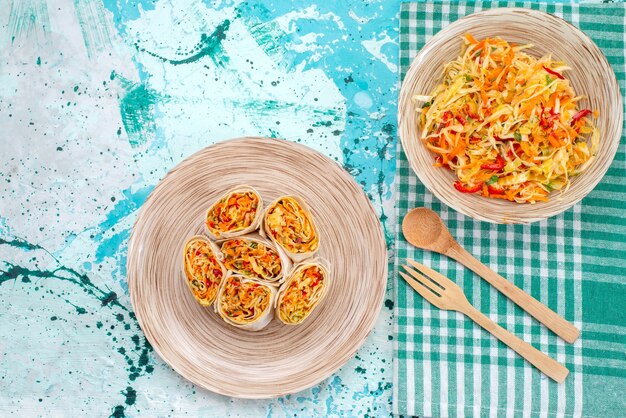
(256, 222)
(323, 266)
(189, 276)
(258, 323)
(285, 261)
(265, 230)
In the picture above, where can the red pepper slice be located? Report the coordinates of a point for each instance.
(517, 147)
(581, 114)
(497, 138)
(470, 113)
(466, 189)
(554, 73)
(217, 273)
(461, 119)
(494, 190)
(498, 165)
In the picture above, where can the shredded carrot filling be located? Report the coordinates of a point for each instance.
(302, 295)
(251, 259)
(291, 226)
(233, 213)
(506, 123)
(242, 301)
(202, 270)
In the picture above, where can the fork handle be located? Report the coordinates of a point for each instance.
(547, 365)
(557, 324)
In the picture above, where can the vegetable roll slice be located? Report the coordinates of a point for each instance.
(245, 303)
(203, 270)
(289, 223)
(255, 258)
(303, 290)
(237, 212)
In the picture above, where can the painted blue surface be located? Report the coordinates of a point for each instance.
(99, 101)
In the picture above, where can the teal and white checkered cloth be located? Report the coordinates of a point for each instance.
(444, 364)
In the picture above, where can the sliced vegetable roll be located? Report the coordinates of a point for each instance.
(289, 223)
(255, 258)
(237, 212)
(203, 270)
(303, 290)
(245, 303)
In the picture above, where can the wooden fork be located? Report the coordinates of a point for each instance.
(445, 294)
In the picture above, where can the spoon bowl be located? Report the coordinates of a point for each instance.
(424, 229)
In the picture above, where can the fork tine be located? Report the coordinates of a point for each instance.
(438, 278)
(422, 290)
(424, 280)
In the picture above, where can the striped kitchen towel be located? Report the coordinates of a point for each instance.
(445, 365)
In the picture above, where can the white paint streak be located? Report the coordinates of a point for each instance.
(374, 46)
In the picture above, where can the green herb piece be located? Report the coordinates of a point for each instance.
(492, 180)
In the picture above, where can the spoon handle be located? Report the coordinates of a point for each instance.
(536, 309)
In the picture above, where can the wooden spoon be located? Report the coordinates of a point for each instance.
(424, 229)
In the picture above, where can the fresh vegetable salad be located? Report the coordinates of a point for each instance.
(506, 123)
